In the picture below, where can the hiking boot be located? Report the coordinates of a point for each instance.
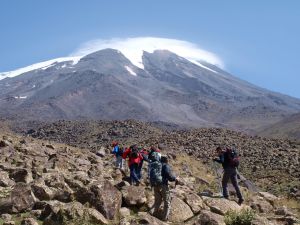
(240, 201)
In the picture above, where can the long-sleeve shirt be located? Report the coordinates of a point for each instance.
(167, 174)
(132, 160)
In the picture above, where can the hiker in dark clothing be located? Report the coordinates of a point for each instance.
(161, 190)
(153, 152)
(230, 172)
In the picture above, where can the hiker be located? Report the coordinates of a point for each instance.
(229, 160)
(118, 152)
(150, 157)
(134, 161)
(160, 175)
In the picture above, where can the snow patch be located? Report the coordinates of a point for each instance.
(205, 67)
(130, 71)
(40, 65)
(20, 97)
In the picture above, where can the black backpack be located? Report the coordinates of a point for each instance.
(134, 152)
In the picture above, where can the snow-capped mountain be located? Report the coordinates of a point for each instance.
(159, 85)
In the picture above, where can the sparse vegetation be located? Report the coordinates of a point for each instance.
(244, 217)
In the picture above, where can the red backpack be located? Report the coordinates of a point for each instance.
(233, 157)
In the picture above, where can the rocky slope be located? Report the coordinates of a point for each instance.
(286, 128)
(271, 163)
(43, 182)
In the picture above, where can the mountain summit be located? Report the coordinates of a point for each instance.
(167, 87)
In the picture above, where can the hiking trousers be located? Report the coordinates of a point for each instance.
(134, 178)
(231, 174)
(119, 162)
(162, 193)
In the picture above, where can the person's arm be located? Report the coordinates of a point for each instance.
(221, 159)
(124, 156)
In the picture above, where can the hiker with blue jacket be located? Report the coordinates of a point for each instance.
(160, 176)
(118, 152)
(230, 161)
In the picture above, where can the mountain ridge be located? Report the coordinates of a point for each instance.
(106, 85)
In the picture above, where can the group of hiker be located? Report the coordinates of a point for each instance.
(159, 172)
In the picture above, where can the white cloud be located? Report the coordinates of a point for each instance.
(133, 49)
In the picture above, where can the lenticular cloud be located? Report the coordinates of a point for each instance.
(133, 49)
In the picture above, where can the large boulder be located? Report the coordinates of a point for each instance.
(29, 221)
(194, 201)
(61, 189)
(207, 218)
(22, 198)
(5, 181)
(42, 191)
(74, 213)
(21, 175)
(107, 199)
(18, 199)
(221, 205)
(134, 195)
(180, 211)
(260, 205)
(147, 219)
(269, 197)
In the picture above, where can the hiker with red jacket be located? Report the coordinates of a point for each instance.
(134, 161)
(230, 161)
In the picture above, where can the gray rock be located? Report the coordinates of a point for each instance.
(207, 218)
(180, 211)
(29, 221)
(107, 199)
(134, 195)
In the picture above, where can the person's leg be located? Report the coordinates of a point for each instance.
(157, 200)
(139, 172)
(133, 174)
(234, 182)
(167, 202)
(225, 180)
(119, 162)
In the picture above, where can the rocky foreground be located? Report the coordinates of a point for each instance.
(273, 164)
(43, 182)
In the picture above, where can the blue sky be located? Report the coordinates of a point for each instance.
(258, 41)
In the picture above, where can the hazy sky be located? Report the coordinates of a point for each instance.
(257, 40)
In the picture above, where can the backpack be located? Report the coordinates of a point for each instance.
(134, 153)
(120, 151)
(155, 170)
(233, 157)
(154, 156)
